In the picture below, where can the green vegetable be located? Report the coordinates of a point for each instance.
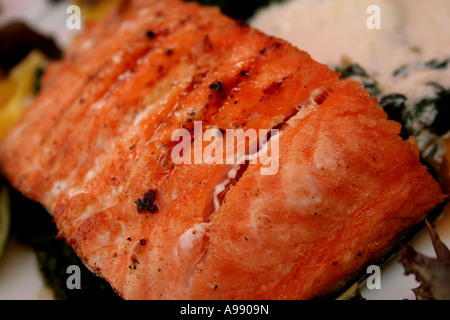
(441, 104)
(37, 80)
(436, 64)
(416, 49)
(427, 119)
(54, 257)
(4, 218)
(413, 115)
(34, 226)
(395, 107)
(357, 73)
(433, 274)
(238, 9)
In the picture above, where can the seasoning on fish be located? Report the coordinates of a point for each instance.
(95, 149)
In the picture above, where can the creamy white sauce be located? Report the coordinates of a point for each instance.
(335, 32)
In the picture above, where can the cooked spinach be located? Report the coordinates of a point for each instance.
(395, 107)
(34, 226)
(431, 113)
(37, 80)
(427, 119)
(357, 73)
(437, 64)
(439, 104)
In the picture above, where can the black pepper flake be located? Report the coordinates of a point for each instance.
(273, 88)
(147, 203)
(244, 74)
(133, 259)
(262, 50)
(335, 263)
(150, 34)
(142, 242)
(169, 51)
(216, 86)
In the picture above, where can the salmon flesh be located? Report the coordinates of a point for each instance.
(96, 149)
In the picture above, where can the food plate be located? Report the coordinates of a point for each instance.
(333, 32)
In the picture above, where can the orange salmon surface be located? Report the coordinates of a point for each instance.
(96, 150)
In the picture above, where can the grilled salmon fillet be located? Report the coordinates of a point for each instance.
(95, 149)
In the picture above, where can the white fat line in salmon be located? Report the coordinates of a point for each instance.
(261, 149)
